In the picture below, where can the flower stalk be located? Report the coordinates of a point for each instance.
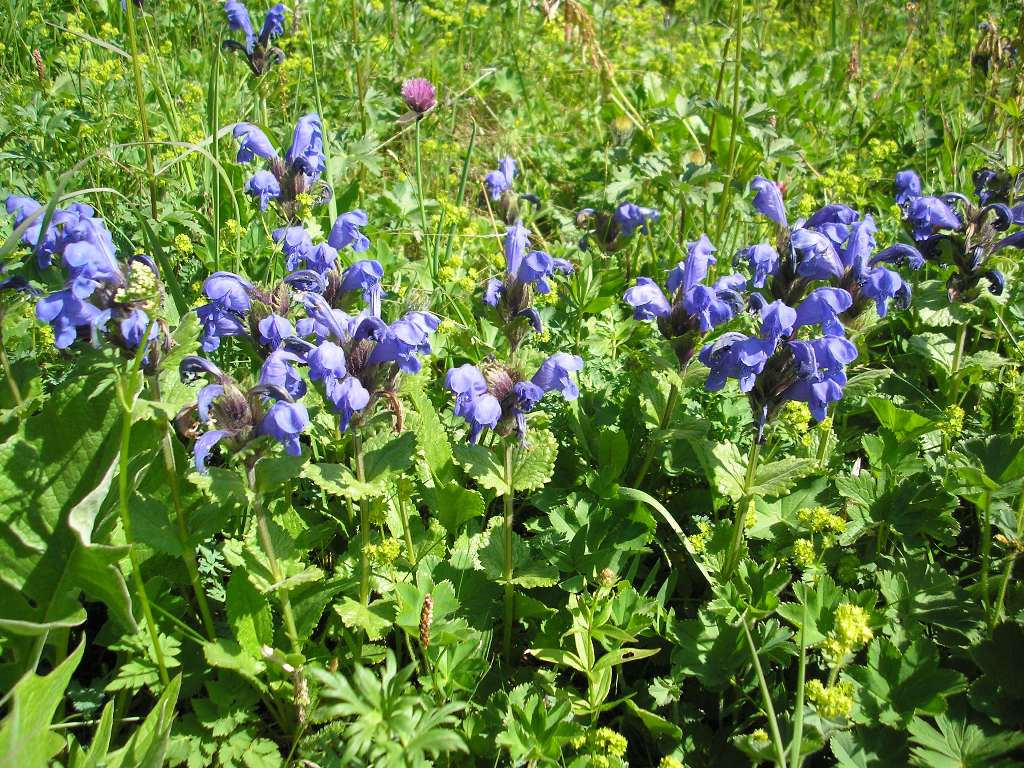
(507, 501)
(140, 100)
(364, 521)
(267, 543)
(740, 520)
(127, 403)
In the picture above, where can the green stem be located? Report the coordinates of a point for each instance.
(986, 546)
(795, 757)
(267, 543)
(773, 723)
(507, 500)
(8, 372)
(997, 609)
(140, 100)
(954, 368)
(126, 523)
(740, 519)
(364, 522)
(419, 192)
(188, 554)
(666, 418)
(403, 512)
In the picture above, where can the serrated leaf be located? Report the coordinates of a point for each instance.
(453, 505)
(374, 619)
(482, 465)
(906, 425)
(777, 477)
(228, 654)
(249, 614)
(25, 735)
(533, 465)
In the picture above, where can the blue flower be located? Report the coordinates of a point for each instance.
(345, 231)
(821, 365)
(204, 445)
(881, 284)
(66, 313)
(554, 374)
(264, 186)
(306, 153)
(778, 321)
(228, 291)
(252, 143)
(927, 215)
(737, 356)
(274, 329)
(404, 340)
(134, 326)
(522, 269)
(908, 186)
(238, 20)
(44, 245)
(833, 221)
(822, 306)
(285, 422)
(763, 260)
(295, 242)
(768, 200)
(817, 257)
(473, 402)
(647, 300)
(278, 370)
(218, 323)
(631, 217)
(500, 181)
(365, 276)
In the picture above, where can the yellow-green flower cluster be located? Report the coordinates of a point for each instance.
(820, 519)
(953, 423)
(850, 631)
(670, 762)
(832, 702)
(804, 554)
(699, 540)
(385, 553)
(606, 747)
(795, 417)
(182, 244)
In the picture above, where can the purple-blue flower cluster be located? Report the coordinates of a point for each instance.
(691, 307)
(775, 366)
(499, 186)
(499, 398)
(283, 180)
(238, 416)
(612, 231)
(352, 353)
(525, 271)
(257, 49)
(835, 245)
(950, 228)
(99, 296)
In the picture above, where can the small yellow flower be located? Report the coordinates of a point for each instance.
(832, 702)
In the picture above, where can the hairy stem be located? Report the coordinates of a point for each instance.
(267, 543)
(1011, 560)
(364, 522)
(507, 500)
(126, 523)
(795, 757)
(773, 722)
(740, 519)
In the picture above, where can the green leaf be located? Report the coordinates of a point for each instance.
(959, 744)
(453, 505)
(896, 683)
(777, 477)
(869, 747)
(430, 434)
(148, 745)
(374, 619)
(228, 654)
(528, 570)
(274, 471)
(482, 465)
(25, 735)
(906, 425)
(533, 465)
(728, 469)
(55, 473)
(248, 614)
